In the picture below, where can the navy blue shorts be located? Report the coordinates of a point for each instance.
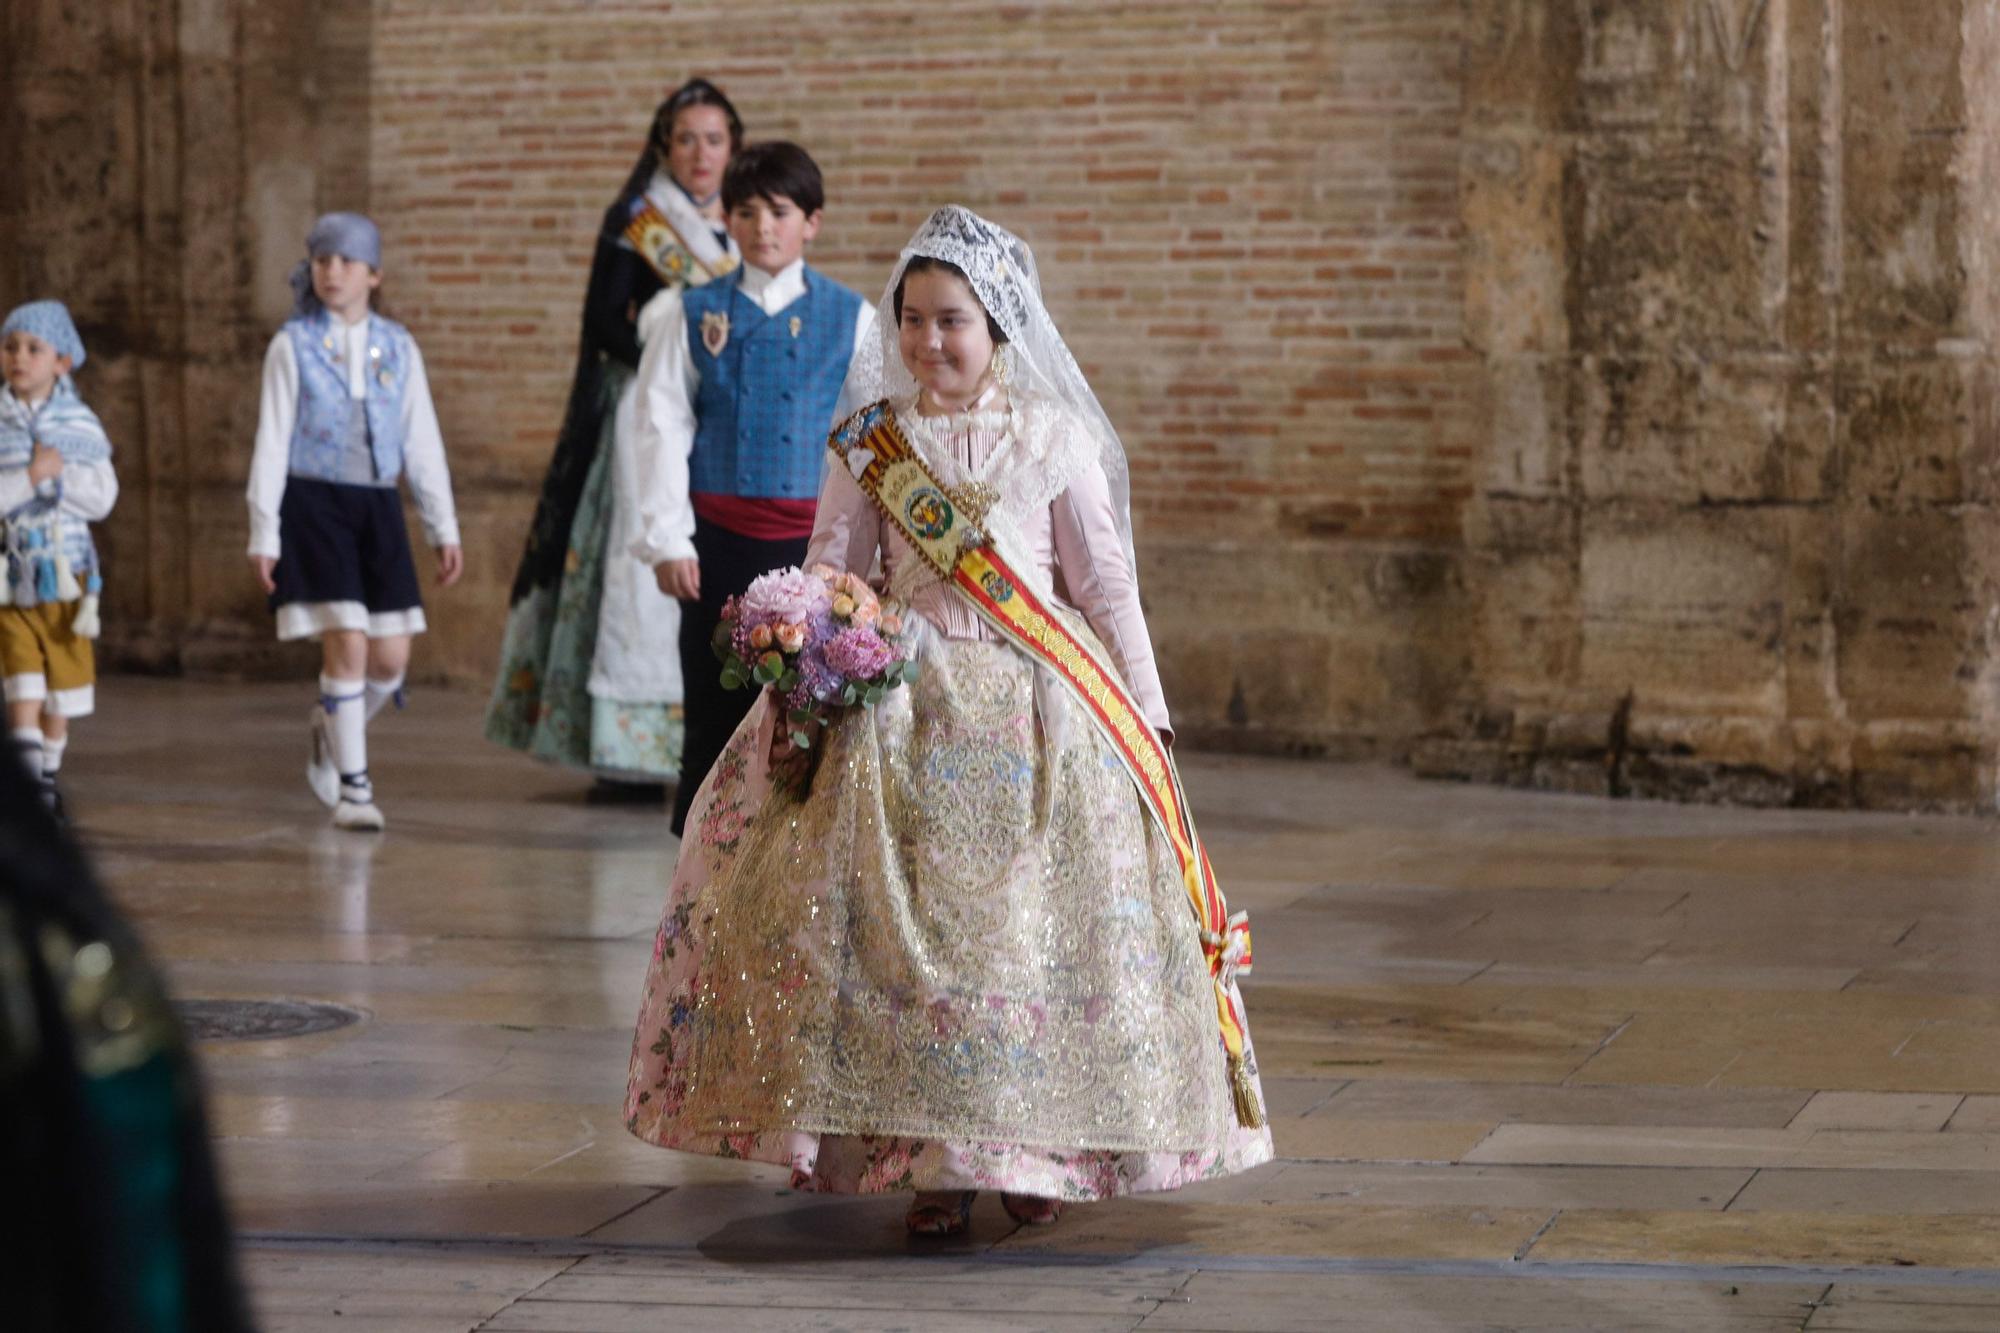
(341, 543)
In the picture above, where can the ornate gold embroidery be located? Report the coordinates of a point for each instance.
(963, 933)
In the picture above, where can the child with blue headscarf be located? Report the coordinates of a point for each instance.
(55, 481)
(346, 412)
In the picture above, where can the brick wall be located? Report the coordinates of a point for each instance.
(1246, 216)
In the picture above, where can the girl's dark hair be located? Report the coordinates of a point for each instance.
(925, 264)
(774, 170)
(695, 92)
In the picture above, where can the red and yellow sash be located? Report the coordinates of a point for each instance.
(654, 237)
(949, 539)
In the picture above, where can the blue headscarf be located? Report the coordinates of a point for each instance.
(49, 321)
(348, 235)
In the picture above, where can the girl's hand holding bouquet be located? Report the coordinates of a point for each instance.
(821, 640)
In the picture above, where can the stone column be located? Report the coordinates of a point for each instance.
(1729, 539)
(171, 157)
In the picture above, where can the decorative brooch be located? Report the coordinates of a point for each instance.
(715, 332)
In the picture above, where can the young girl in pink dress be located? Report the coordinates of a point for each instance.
(965, 960)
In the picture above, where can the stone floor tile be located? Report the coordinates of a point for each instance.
(1856, 1307)
(995, 1292)
(1835, 1190)
(1976, 1115)
(297, 1287)
(1358, 1231)
(1637, 1145)
(337, 1206)
(1314, 1303)
(1913, 1112)
(1320, 1137)
(1531, 1187)
(1955, 1240)
(539, 1316)
(1566, 1104)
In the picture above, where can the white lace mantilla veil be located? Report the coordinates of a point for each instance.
(1038, 363)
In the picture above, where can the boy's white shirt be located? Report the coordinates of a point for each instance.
(89, 490)
(423, 443)
(667, 384)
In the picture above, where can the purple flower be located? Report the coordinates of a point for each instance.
(785, 596)
(859, 653)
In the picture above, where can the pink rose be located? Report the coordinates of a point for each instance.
(784, 596)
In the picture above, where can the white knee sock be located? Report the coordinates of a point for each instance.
(52, 755)
(380, 692)
(347, 725)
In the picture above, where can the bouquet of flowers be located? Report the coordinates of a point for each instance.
(820, 638)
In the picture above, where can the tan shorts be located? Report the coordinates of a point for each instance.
(42, 659)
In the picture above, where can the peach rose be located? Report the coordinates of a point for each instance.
(892, 623)
(791, 638)
(760, 637)
(843, 606)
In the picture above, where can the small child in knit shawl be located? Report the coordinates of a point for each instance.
(55, 481)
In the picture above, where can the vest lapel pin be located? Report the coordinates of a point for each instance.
(715, 332)
(797, 323)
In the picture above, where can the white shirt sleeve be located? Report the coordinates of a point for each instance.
(89, 490)
(852, 398)
(663, 435)
(271, 460)
(423, 457)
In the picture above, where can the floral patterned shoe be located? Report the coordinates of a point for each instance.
(940, 1214)
(1031, 1210)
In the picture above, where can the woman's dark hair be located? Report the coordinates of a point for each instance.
(695, 92)
(774, 170)
(925, 264)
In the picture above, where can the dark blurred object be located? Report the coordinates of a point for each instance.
(110, 1216)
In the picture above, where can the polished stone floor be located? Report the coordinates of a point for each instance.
(1535, 1062)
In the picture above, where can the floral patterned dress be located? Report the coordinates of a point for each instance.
(965, 959)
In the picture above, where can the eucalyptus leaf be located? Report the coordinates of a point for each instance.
(803, 741)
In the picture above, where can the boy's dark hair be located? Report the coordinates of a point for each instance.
(695, 92)
(773, 171)
(925, 264)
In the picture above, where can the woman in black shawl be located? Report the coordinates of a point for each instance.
(589, 669)
(110, 1218)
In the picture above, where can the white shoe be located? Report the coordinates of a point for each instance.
(321, 775)
(360, 816)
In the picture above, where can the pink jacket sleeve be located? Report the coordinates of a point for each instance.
(847, 529)
(1102, 583)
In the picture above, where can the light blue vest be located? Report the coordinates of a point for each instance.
(321, 432)
(767, 400)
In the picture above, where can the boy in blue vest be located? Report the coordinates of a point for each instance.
(55, 481)
(346, 411)
(737, 390)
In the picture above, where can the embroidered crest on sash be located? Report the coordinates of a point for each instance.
(715, 332)
(656, 241)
